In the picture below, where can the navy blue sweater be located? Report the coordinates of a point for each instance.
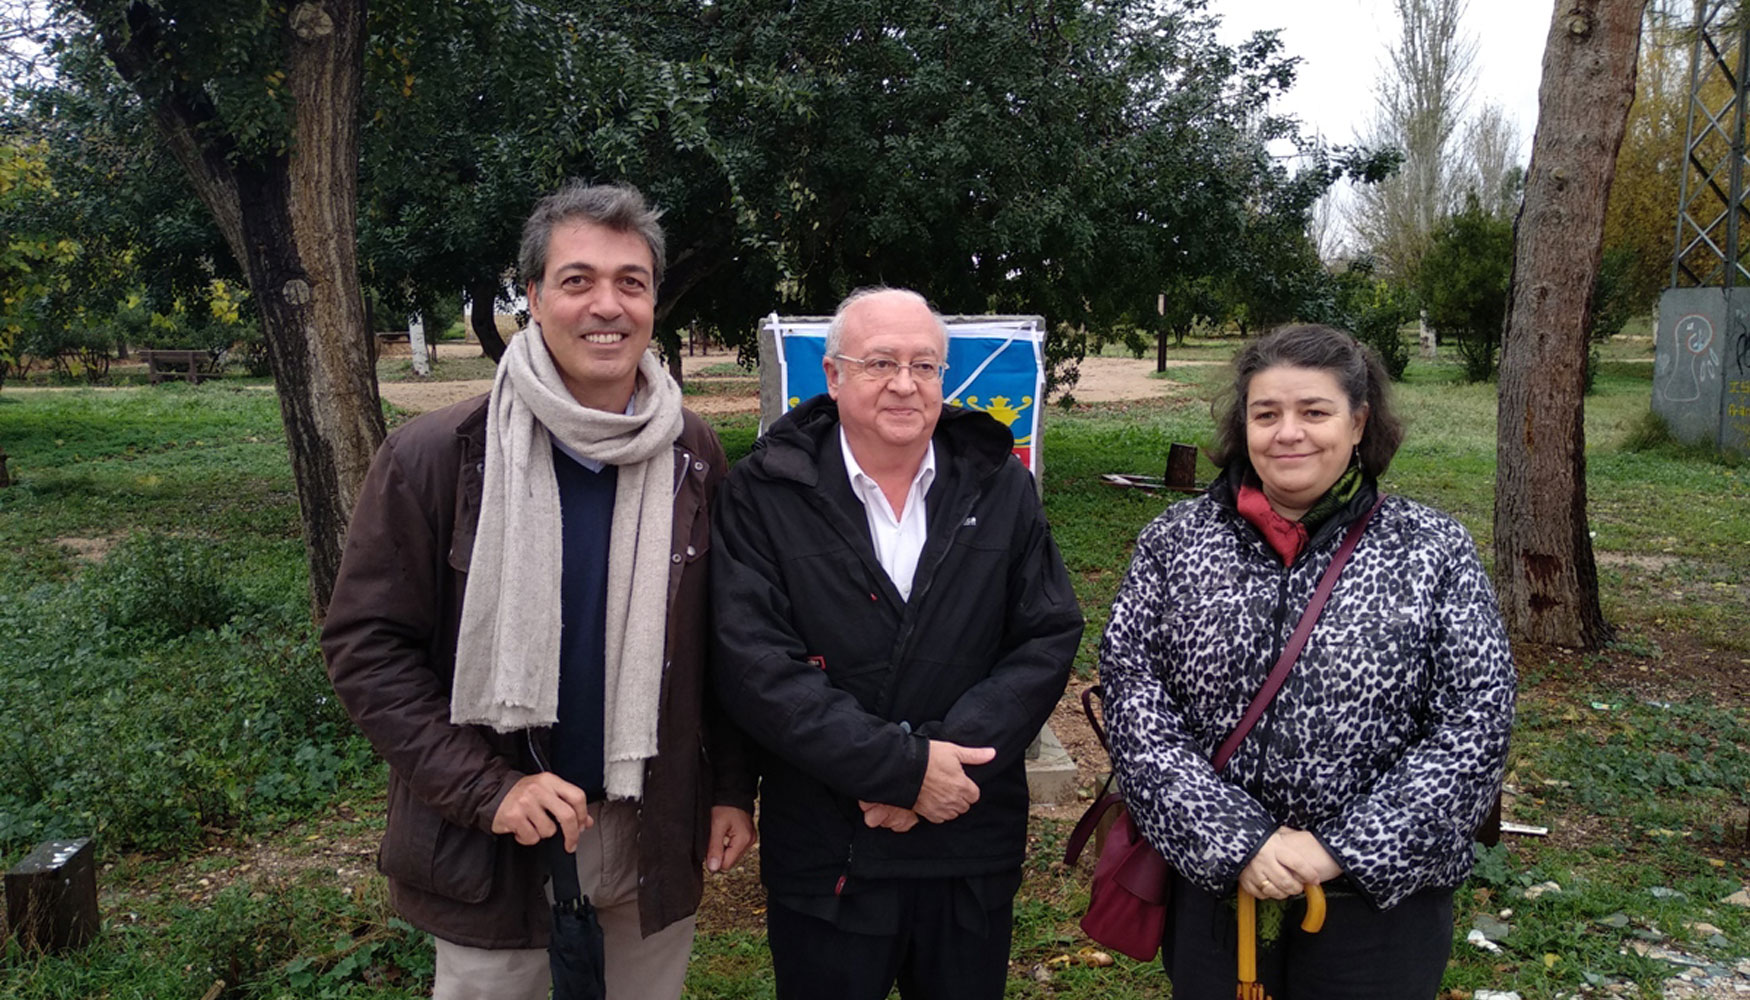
(586, 510)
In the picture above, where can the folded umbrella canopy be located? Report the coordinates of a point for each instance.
(574, 952)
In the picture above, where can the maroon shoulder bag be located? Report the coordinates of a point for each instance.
(1132, 888)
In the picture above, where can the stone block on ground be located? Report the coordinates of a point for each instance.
(1051, 776)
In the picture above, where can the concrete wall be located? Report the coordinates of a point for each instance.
(1701, 367)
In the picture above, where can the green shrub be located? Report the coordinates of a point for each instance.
(163, 585)
(157, 736)
(1372, 309)
(1463, 283)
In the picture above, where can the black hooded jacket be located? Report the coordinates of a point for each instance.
(843, 683)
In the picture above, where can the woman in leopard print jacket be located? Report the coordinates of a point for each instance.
(1382, 753)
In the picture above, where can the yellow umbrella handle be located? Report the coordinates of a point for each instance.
(1249, 989)
(1315, 909)
(1248, 938)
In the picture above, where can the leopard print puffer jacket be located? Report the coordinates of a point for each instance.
(1389, 740)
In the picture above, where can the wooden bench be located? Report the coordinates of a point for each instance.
(185, 364)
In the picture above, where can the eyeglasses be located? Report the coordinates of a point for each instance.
(884, 369)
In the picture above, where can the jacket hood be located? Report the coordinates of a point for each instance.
(791, 447)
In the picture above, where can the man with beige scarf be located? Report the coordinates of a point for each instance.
(519, 628)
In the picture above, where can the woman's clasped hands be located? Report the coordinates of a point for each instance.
(1289, 861)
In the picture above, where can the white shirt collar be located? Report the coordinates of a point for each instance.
(861, 481)
(898, 539)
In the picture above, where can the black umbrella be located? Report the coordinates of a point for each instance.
(574, 952)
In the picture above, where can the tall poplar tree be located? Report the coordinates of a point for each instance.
(1420, 105)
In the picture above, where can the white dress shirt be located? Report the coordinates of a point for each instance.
(899, 541)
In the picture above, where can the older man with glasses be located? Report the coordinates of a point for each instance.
(893, 625)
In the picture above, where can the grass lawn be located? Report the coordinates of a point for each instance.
(164, 692)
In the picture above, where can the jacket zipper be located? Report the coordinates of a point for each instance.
(838, 887)
(907, 626)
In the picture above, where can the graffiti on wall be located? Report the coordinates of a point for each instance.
(1683, 373)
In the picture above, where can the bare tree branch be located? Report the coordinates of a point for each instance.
(25, 29)
(1421, 99)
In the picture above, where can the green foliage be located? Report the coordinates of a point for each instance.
(173, 689)
(1375, 311)
(77, 345)
(1637, 793)
(1615, 300)
(150, 732)
(134, 250)
(1653, 755)
(260, 938)
(1463, 283)
(30, 255)
(162, 587)
(798, 151)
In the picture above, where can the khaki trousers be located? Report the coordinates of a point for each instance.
(638, 967)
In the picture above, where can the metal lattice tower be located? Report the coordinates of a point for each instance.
(1712, 211)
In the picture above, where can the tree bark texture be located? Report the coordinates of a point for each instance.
(482, 296)
(290, 219)
(1544, 568)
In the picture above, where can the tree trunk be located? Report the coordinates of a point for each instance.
(1161, 351)
(669, 342)
(1544, 568)
(290, 219)
(416, 346)
(482, 297)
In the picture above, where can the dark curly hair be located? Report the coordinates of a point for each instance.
(1355, 366)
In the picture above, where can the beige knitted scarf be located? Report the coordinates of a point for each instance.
(507, 652)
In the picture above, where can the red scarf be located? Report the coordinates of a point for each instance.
(1285, 536)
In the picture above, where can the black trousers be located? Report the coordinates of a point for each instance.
(1361, 954)
(932, 956)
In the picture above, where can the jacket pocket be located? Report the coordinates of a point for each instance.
(424, 851)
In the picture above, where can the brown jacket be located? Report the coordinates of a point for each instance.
(390, 642)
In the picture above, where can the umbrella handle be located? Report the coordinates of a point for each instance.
(1249, 989)
(1248, 937)
(1315, 909)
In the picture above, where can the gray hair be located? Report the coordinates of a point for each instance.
(835, 331)
(619, 207)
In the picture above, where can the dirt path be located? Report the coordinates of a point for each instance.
(1104, 380)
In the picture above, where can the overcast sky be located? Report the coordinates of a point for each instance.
(1343, 46)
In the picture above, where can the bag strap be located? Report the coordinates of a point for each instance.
(1084, 828)
(1088, 696)
(1078, 838)
(1297, 641)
